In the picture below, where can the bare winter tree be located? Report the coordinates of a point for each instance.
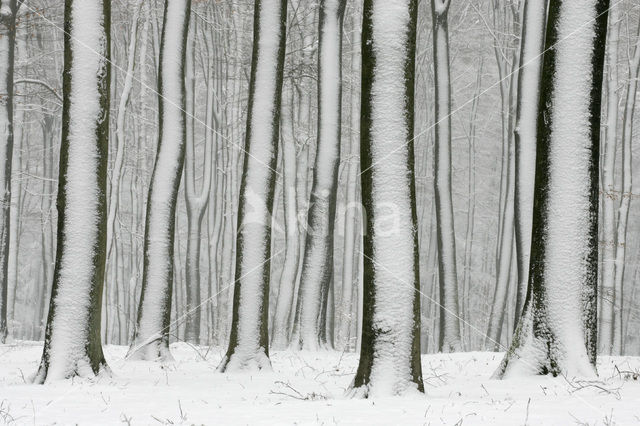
(625, 193)
(197, 200)
(558, 329)
(608, 296)
(72, 341)
(248, 343)
(531, 48)
(8, 13)
(449, 338)
(390, 350)
(317, 267)
(151, 337)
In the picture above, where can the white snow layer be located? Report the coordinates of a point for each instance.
(566, 268)
(164, 175)
(255, 223)
(69, 328)
(393, 229)
(458, 387)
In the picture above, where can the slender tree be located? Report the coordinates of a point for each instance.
(626, 193)
(248, 343)
(344, 316)
(72, 343)
(197, 200)
(286, 288)
(608, 296)
(317, 266)
(8, 13)
(390, 350)
(558, 329)
(151, 337)
(531, 48)
(449, 338)
(505, 22)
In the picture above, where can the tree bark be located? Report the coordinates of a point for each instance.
(390, 351)
(151, 337)
(248, 342)
(557, 333)
(531, 48)
(317, 266)
(72, 339)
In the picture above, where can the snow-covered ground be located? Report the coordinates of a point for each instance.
(308, 388)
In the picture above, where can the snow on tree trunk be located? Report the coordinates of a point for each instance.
(608, 295)
(531, 47)
(317, 266)
(449, 333)
(627, 191)
(8, 10)
(151, 337)
(248, 343)
(72, 340)
(390, 350)
(286, 288)
(557, 331)
(344, 313)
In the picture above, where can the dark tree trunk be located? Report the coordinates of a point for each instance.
(248, 342)
(72, 343)
(390, 349)
(557, 331)
(151, 337)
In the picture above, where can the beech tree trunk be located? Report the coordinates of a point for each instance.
(608, 296)
(151, 337)
(557, 333)
(8, 12)
(317, 266)
(531, 48)
(390, 349)
(72, 343)
(449, 333)
(248, 343)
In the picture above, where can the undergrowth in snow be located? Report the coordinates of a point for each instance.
(309, 388)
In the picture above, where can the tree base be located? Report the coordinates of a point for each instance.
(530, 356)
(157, 350)
(239, 361)
(82, 368)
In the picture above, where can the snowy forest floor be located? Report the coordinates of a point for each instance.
(309, 388)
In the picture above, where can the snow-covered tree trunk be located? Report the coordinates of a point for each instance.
(72, 341)
(317, 266)
(248, 342)
(531, 47)
(626, 193)
(8, 11)
(557, 332)
(449, 332)
(608, 296)
(390, 350)
(151, 337)
(286, 288)
(344, 312)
